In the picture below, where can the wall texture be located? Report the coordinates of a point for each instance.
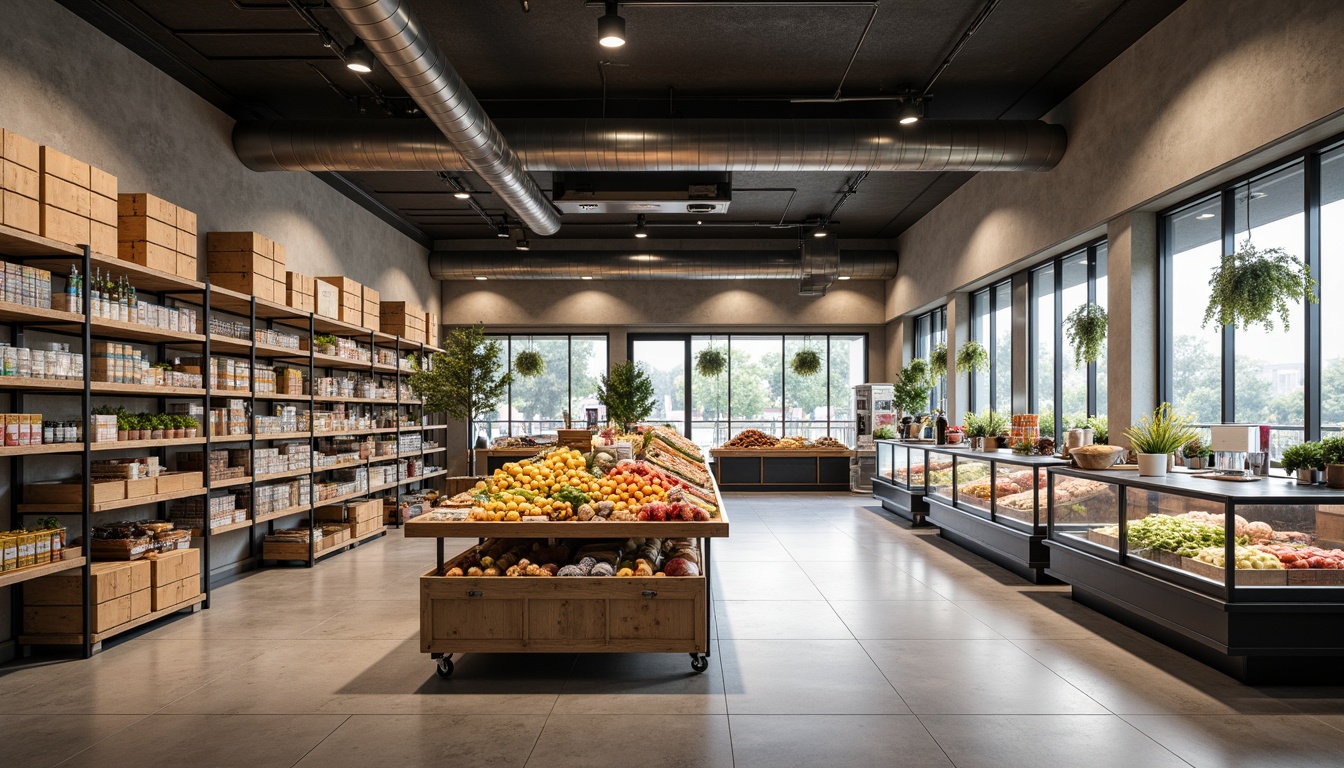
(65, 84)
(1216, 81)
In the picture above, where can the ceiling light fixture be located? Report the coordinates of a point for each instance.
(521, 244)
(482, 277)
(842, 277)
(586, 277)
(641, 231)
(358, 58)
(502, 231)
(462, 194)
(909, 114)
(820, 231)
(611, 28)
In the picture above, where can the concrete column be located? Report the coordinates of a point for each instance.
(897, 348)
(1132, 302)
(958, 333)
(1021, 343)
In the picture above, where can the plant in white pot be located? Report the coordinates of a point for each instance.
(1305, 461)
(1155, 438)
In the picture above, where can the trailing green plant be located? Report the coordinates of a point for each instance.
(806, 362)
(627, 393)
(972, 357)
(1085, 328)
(710, 362)
(1332, 450)
(529, 363)
(938, 361)
(1251, 285)
(1163, 432)
(1303, 456)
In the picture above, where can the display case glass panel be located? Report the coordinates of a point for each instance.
(886, 464)
(1085, 510)
(1306, 540)
(974, 484)
(1179, 532)
(1018, 489)
(938, 470)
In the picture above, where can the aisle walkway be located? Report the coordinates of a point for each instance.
(844, 639)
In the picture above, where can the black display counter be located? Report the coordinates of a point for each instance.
(899, 481)
(781, 469)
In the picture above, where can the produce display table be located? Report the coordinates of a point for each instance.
(782, 469)
(565, 614)
(1275, 622)
(992, 504)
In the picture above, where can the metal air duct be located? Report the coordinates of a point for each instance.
(651, 264)
(612, 144)
(457, 121)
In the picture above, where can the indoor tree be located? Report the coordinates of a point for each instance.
(627, 393)
(464, 380)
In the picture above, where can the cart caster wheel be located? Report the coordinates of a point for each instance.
(699, 662)
(444, 667)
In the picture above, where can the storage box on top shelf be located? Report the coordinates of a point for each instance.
(20, 183)
(350, 303)
(78, 202)
(155, 233)
(432, 326)
(372, 309)
(300, 292)
(244, 262)
(328, 299)
(404, 319)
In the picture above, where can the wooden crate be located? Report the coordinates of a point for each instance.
(132, 228)
(109, 581)
(1245, 577)
(562, 615)
(72, 492)
(327, 299)
(20, 183)
(240, 241)
(145, 486)
(146, 254)
(69, 619)
(147, 205)
(172, 482)
(175, 592)
(174, 565)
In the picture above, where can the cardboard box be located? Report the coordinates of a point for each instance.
(132, 228)
(63, 166)
(246, 282)
(102, 183)
(187, 267)
(149, 255)
(144, 204)
(69, 619)
(109, 581)
(17, 149)
(175, 593)
(239, 241)
(175, 565)
(328, 299)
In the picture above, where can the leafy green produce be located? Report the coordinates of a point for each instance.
(1172, 534)
(570, 494)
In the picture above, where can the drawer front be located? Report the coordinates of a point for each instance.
(578, 621)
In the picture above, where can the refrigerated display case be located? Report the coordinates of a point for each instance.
(992, 504)
(1246, 576)
(892, 485)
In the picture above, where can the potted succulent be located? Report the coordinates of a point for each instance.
(1332, 457)
(1196, 454)
(1157, 438)
(1085, 328)
(191, 426)
(1305, 461)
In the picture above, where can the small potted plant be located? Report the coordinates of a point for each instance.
(158, 424)
(324, 344)
(179, 426)
(1024, 448)
(1196, 454)
(955, 434)
(1306, 461)
(884, 433)
(123, 426)
(191, 426)
(1157, 438)
(1332, 457)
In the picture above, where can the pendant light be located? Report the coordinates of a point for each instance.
(821, 231)
(641, 231)
(358, 58)
(909, 114)
(611, 28)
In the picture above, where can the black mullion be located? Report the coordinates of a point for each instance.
(1229, 340)
(686, 386)
(828, 384)
(729, 414)
(1164, 298)
(1059, 348)
(1033, 342)
(1312, 361)
(1091, 299)
(783, 384)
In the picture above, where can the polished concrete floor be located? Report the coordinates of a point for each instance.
(843, 639)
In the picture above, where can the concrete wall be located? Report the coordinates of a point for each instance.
(65, 84)
(1214, 84)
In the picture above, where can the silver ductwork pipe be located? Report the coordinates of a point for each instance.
(612, 144)
(393, 33)
(652, 264)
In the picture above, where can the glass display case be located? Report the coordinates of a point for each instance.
(992, 504)
(892, 485)
(1248, 576)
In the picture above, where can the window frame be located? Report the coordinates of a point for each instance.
(1089, 253)
(990, 294)
(508, 338)
(937, 327)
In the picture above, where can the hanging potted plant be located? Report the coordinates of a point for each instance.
(529, 363)
(710, 362)
(1250, 286)
(1155, 438)
(806, 362)
(972, 357)
(938, 361)
(1085, 328)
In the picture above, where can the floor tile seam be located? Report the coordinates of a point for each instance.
(882, 672)
(321, 741)
(827, 600)
(1066, 681)
(1168, 750)
(1318, 719)
(936, 743)
(131, 724)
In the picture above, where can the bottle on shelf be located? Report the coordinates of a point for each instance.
(124, 300)
(96, 294)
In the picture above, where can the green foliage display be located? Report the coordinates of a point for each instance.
(988, 423)
(912, 387)
(627, 393)
(1164, 432)
(1250, 286)
(1332, 450)
(529, 363)
(806, 362)
(884, 433)
(1100, 433)
(465, 380)
(938, 361)
(972, 357)
(1303, 456)
(1085, 328)
(710, 362)
(1195, 449)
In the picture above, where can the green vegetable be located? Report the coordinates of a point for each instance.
(1171, 534)
(571, 495)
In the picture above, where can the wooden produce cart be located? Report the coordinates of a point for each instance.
(490, 459)
(566, 614)
(782, 469)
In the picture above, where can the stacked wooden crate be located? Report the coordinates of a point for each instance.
(350, 308)
(78, 202)
(432, 326)
(300, 292)
(327, 298)
(20, 188)
(245, 262)
(174, 576)
(53, 605)
(404, 319)
(372, 310)
(154, 233)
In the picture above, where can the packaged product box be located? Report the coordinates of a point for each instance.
(9, 551)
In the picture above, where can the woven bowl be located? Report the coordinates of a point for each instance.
(1093, 457)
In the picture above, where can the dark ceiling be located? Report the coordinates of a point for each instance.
(266, 59)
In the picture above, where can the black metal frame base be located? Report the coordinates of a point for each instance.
(1022, 553)
(1256, 643)
(901, 502)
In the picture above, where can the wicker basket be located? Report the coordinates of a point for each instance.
(1090, 457)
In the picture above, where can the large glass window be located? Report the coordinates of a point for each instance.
(930, 331)
(1257, 376)
(1063, 392)
(992, 328)
(568, 381)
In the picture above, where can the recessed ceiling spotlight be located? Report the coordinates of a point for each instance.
(641, 231)
(462, 194)
(611, 28)
(820, 231)
(586, 277)
(842, 277)
(482, 277)
(1205, 216)
(909, 114)
(358, 58)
